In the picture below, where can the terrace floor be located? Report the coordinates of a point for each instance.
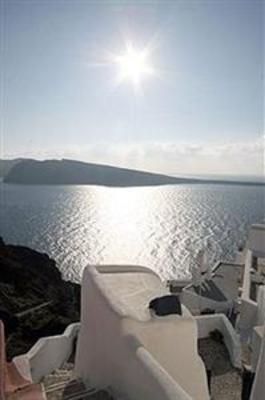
(222, 287)
(226, 381)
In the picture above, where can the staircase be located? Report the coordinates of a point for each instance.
(62, 385)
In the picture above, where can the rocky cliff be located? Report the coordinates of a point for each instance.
(34, 299)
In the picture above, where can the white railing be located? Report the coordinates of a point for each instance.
(148, 375)
(47, 354)
(258, 388)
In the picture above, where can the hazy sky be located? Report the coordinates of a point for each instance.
(199, 112)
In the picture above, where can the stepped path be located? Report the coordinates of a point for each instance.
(62, 385)
(33, 309)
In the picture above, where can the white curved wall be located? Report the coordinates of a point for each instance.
(248, 308)
(126, 354)
(261, 306)
(258, 389)
(248, 318)
(256, 240)
(200, 303)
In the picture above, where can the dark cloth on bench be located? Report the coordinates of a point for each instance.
(166, 305)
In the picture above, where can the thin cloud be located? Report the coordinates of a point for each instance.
(235, 158)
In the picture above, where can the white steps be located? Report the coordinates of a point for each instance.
(62, 385)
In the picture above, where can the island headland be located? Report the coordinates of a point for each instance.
(70, 172)
(67, 172)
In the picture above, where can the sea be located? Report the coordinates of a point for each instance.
(158, 227)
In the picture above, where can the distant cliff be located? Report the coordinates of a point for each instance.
(67, 172)
(6, 165)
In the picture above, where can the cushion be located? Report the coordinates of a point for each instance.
(166, 305)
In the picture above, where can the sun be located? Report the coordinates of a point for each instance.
(133, 66)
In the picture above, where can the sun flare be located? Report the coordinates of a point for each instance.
(133, 66)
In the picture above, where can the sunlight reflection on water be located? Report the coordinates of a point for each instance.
(153, 226)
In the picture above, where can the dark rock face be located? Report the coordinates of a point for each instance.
(29, 279)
